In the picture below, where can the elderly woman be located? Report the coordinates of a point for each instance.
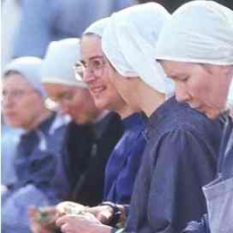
(180, 156)
(39, 178)
(199, 58)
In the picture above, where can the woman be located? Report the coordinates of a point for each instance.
(124, 161)
(39, 178)
(202, 69)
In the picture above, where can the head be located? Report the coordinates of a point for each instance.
(70, 95)
(23, 94)
(130, 48)
(199, 58)
(96, 74)
(74, 101)
(203, 86)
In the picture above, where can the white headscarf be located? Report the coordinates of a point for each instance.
(30, 69)
(97, 27)
(129, 42)
(229, 103)
(58, 65)
(200, 32)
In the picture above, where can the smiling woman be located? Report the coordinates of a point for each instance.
(97, 78)
(67, 94)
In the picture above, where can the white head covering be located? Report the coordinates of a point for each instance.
(58, 65)
(229, 103)
(30, 69)
(129, 42)
(200, 32)
(97, 27)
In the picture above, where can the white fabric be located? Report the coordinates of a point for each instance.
(58, 65)
(129, 42)
(10, 16)
(229, 104)
(219, 200)
(97, 27)
(30, 69)
(199, 32)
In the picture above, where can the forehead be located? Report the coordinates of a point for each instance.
(15, 81)
(54, 89)
(175, 69)
(91, 47)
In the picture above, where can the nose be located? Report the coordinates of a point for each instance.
(7, 101)
(64, 109)
(181, 93)
(88, 76)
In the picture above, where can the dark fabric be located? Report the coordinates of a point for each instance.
(89, 162)
(40, 166)
(171, 6)
(198, 227)
(225, 170)
(125, 161)
(77, 146)
(179, 159)
(226, 152)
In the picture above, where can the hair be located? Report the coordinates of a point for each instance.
(11, 72)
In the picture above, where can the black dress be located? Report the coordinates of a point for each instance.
(88, 150)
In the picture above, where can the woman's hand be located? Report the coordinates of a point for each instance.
(81, 224)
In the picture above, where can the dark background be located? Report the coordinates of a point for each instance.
(171, 5)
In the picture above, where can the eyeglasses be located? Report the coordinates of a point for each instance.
(95, 66)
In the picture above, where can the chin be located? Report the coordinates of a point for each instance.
(212, 114)
(101, 104)
(13, 124)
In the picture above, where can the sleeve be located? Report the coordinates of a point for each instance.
(198, 227)
(34, 32)
(182, 167)
(126, 179)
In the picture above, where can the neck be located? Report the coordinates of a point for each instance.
(100, 116)
(125, 111)
(151, 100)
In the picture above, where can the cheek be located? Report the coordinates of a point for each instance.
(198, 88)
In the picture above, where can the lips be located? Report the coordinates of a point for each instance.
(97, 89)
(9, 114)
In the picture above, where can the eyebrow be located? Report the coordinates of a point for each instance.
(92, 58)
(174, 77)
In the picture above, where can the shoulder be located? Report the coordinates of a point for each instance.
(181, 118)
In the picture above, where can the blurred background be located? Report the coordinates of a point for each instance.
(28, 26)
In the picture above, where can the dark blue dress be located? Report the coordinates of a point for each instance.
(124, 161)
(41, 178)
(221, 188)
(180, 157)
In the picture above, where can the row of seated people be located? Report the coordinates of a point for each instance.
(86, 158)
